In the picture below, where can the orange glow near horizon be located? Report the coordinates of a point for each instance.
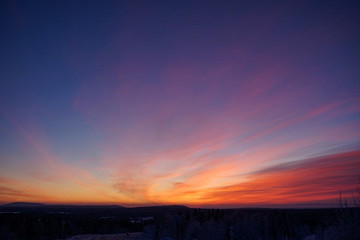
(309, 181)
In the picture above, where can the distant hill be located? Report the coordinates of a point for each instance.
(163, 207)
(23, 204)
(69, 206)
(93, 210)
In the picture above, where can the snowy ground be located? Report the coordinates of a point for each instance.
(131, 236)
(311, 237)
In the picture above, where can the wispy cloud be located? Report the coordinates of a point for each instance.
(303, 182)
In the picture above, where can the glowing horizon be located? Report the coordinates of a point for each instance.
(217, 105)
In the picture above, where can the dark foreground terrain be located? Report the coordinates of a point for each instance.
(38, 221)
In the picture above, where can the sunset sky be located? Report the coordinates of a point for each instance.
(200, 103)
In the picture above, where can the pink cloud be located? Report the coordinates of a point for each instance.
(306, 181)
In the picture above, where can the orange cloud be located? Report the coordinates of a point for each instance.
(316, 180)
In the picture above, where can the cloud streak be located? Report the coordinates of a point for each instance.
(309, 181)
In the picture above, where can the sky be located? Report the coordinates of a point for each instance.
(200, 103)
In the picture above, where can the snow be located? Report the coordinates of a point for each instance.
(123, 236)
